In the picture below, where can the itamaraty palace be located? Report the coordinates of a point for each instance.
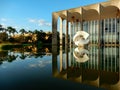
(101, 21)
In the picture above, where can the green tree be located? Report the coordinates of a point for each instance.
(3, 36)
(23, 31)
(11, 30)
(30, 31)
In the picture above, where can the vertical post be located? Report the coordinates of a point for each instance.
(99, 27)
(66, 31)
(99, 41)
(70, 55)
(66, 45)
(54, 44)
(77, 24)
(115, 31)
(119, 30)
(54, 61)
(61, 27)
(54, 29)
(111, 31)
(61, 58)
(70, 30)
(82, 19)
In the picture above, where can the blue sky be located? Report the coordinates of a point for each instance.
(35, 14)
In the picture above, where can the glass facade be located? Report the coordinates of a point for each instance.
(107, 30)
(92, 28)
(110, 31)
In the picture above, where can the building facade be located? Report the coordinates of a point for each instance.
(101, 21)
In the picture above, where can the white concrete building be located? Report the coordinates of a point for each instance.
(101, 21)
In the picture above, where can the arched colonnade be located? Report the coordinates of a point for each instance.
(101, 21)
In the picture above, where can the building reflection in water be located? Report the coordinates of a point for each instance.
(81, 54)
(101, 70)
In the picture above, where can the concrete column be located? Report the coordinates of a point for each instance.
(61, 58)
(115, 31)
(54, 61)
(99, 26)
(99, 42)
(54, 28)
(61, 31)
(54, 44)
(119, 64)
(82, 19)
(77, 25)
(66, 50)
(70, 55)
(70, 34)
(66, 38)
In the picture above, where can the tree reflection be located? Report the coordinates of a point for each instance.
(11, 58)
(22, 56)
(22, 53)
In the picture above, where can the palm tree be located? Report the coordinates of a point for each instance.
(11, 58)
(23, 56)
(36, 31)
(30, 31)
(22, 31)
(41, 31)
(11, 30)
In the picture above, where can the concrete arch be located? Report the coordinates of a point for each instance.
(62, 14)
(110, 78)
(74, 72)
(115, 86)
(92, 7)
(74, 17)
(109, 12)
(90, 14)
(90, 75)
(115, 3)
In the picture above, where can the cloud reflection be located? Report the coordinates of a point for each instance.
(41, 64)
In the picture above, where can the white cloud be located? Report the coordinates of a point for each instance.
(32, 20)
(3, 19)
(4, 66)
(27, 28)
(4, 25)
(16, 27)
(40, 22)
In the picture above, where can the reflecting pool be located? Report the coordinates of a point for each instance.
(58, 67)
(97, 66)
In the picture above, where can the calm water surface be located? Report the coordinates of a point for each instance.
(72, 68)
